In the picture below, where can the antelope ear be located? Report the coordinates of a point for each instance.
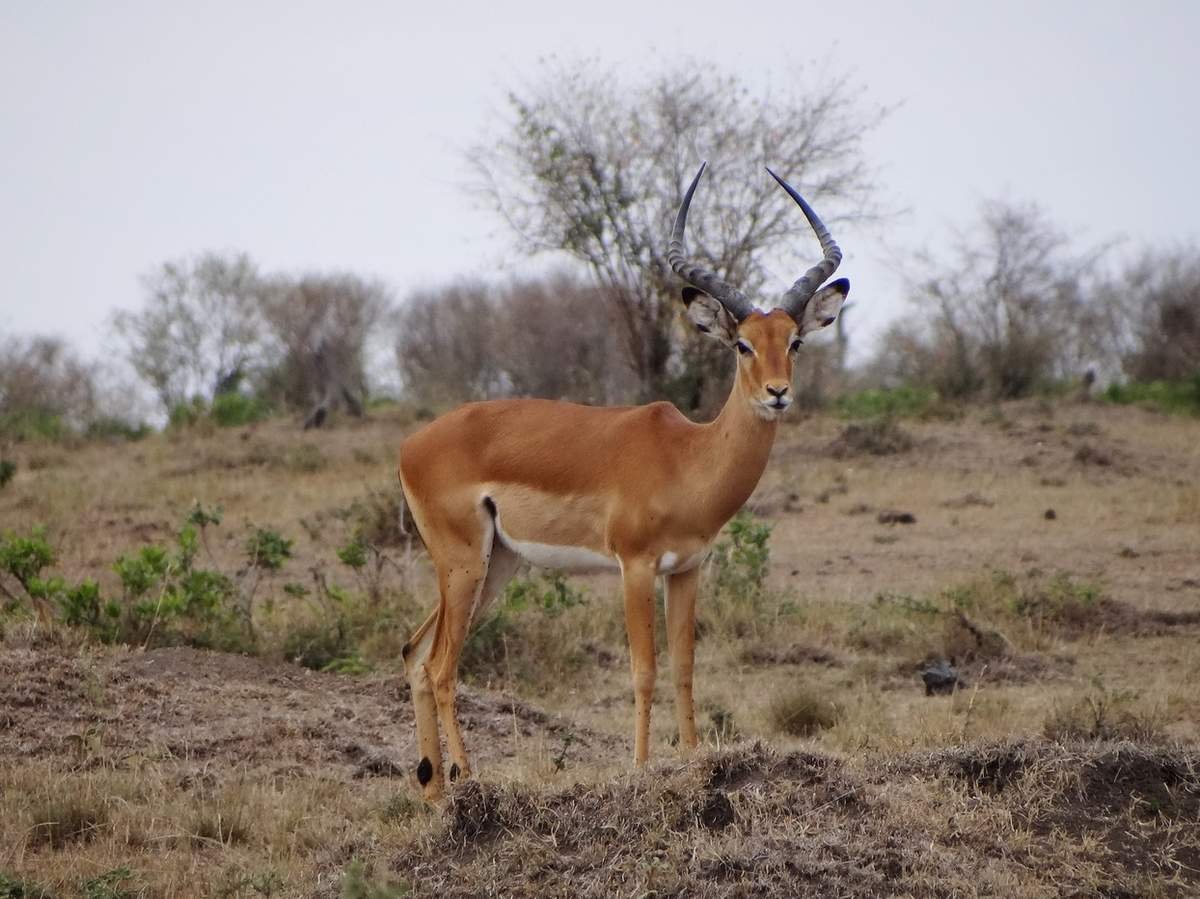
(709, 316)
(823, 308)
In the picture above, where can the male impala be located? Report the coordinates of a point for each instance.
(640, 489)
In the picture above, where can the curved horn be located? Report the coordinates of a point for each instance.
(801, 292)
(728, 296)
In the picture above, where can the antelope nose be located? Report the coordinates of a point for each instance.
(777, 391)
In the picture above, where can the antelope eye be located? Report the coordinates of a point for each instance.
(795, 345)
(743, 348)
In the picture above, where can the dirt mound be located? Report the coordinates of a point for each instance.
(1133, 807)
(747, 821)
(200, 708)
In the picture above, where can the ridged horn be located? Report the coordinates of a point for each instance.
(801, 292)
(696, 275)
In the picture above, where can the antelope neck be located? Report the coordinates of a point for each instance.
(739, 442)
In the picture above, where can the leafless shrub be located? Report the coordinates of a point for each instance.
(45, 388)
(1008, 314)
(1152, 309)
(320, 327)
(549, 338)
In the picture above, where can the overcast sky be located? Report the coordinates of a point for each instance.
(330, 136)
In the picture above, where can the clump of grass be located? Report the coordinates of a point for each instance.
(1104, 714)
(64, 820)
(224, 820)
(801, 712)
(8, 470)
(305, 458)
(878, 437)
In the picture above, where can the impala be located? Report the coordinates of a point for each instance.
(639, 489)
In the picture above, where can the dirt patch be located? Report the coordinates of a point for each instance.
(795, 654)
(221, 711)
(967, 500)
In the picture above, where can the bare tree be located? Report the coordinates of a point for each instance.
(199, 328)
(548, 337)
(446, 345)
(44, 386)
(557, 341)
(1151, 314)
(319, 327)
(1008, 313)
(594, 166)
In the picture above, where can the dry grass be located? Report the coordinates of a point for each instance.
(1065, 767)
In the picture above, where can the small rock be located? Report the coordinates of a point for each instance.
(940, 678)
(1050, 515)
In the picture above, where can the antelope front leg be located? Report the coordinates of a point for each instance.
(681, 640)
(639, 623)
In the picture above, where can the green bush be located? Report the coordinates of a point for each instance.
(15, 888)
(523, 636)
(185, 415)
(231, 410)
(32, 424)
(1174, 397)
(24, 558)
(8, 470)
(741, 560)
(879, 402)
(268, 549)
(111, 428)
(110, 885)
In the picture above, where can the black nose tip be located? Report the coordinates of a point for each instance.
(777, 391)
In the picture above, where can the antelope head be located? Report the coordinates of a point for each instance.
(766, 341)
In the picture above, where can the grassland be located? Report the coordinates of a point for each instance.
(1049, 550)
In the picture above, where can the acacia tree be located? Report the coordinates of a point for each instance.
(595, 167)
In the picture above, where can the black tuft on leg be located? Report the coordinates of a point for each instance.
(453, 772)
(425, 771)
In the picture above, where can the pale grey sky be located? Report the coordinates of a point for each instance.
(329, 136)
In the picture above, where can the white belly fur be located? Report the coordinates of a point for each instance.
(581, 559)
(551, 555)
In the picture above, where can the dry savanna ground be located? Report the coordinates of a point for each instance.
(1048, 552)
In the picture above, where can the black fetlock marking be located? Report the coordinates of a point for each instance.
(425, 771)
(453, 772)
